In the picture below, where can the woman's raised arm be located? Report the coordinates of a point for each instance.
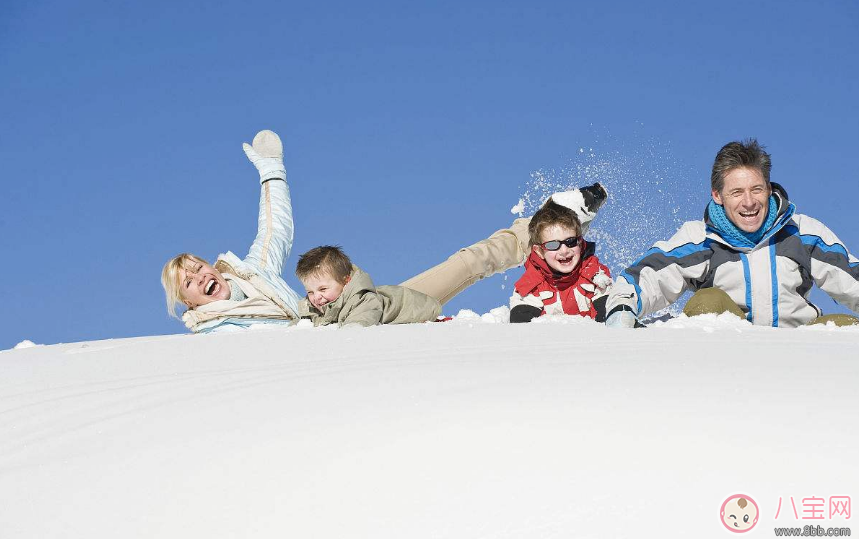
(274, 226)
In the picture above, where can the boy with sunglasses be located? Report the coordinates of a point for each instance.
(339, 292)
(562, 273)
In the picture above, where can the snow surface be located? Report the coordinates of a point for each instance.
(560, 428)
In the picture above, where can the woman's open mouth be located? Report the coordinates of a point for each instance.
(212, 287)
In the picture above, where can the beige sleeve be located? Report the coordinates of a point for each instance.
(501, 251)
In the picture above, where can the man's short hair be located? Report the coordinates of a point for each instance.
(551, 214)
(324, 260)
(739, 154)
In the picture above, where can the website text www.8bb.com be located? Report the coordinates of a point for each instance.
(812, 530)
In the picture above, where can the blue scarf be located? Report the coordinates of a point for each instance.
(735, 236)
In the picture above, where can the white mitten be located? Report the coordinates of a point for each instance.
(266, 154)
(585, 201)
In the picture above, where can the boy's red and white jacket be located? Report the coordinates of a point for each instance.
(542, 291)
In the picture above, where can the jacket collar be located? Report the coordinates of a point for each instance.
(537, 271)
(358, 281)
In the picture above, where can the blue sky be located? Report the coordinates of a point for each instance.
(410, 129)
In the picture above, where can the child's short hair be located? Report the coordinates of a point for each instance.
(552, 214)
(170, 279)
(325, 259)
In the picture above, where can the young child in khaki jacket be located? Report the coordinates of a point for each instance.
(338, 292)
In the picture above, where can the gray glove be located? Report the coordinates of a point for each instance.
(621, 319)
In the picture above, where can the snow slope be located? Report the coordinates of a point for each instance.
(562, 428)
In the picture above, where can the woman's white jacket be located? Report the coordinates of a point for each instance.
(271, 300)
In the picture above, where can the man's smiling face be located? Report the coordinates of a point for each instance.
(745, 198)
(200, 283)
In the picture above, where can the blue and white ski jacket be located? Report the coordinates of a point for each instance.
(262, 267)
(770, 282)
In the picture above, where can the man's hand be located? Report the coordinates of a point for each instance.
(621, 319)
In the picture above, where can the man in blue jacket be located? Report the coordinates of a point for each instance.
(752, 255)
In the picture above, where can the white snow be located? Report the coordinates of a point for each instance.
(519, 208)
(25, 344)
(561, 428)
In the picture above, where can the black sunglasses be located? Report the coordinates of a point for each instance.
(554, 245)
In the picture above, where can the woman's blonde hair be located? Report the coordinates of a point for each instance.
(170, 280)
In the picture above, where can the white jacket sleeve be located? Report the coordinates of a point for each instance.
(833, 268)
(664, 272)
(273, 242)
